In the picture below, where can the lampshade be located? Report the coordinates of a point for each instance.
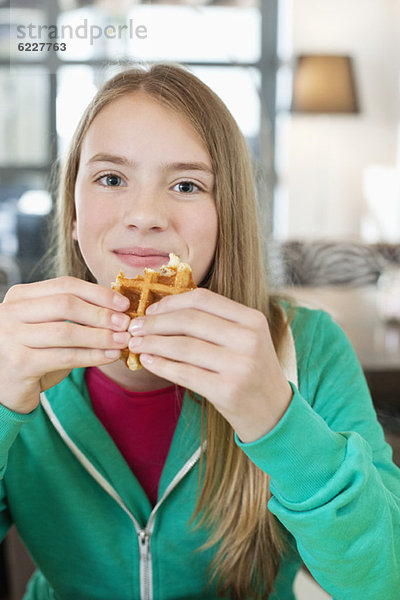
(324, 83)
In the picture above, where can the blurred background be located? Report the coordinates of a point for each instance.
(315, 89)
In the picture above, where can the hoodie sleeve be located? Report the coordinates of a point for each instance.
(10, 425)
(334, 485)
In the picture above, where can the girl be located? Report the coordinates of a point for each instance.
(244, 446)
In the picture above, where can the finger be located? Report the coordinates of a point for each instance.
(194, 323)
(91, 292)
(67, 334)
(48, 360)
(184, 349)
(67, 307)
(210, 302)
(202, 382)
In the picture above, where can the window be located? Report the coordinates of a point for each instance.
(43, 91)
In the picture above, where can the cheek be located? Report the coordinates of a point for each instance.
(92, 227)
(203, 233)
(91, 216)
(203, 227)
(209, 228)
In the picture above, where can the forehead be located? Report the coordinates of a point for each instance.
(137, 121)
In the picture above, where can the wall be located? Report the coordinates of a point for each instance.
(323, 159)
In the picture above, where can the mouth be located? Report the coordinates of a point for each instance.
(136, 256)
(138, 251)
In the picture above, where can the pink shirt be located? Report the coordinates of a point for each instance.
(141, 424)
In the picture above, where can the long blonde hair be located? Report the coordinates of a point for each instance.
(248, 544)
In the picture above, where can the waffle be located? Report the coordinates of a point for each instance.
(143, 290)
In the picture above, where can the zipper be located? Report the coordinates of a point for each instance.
(146, 573)
(143, 534)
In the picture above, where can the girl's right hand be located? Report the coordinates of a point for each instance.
(49, 328)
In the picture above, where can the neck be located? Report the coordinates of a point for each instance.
(138, 381)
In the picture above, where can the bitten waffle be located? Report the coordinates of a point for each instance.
(143, 290)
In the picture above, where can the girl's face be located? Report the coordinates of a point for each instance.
(144, 189)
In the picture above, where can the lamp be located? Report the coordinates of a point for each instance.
(324, 83)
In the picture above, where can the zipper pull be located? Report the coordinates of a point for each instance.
(143, 536)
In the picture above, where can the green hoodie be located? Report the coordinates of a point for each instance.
(93, 534)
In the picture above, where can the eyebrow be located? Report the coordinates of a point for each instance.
(174, 166)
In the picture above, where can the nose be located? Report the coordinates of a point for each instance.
(146, 210)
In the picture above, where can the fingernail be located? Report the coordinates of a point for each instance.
(122, 337)
(112, 353)
(146, 359)
(134, 343)
(121, 301)
(152, 308)
(119, 319)
(136, 324)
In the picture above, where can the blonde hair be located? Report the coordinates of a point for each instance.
(248, 544)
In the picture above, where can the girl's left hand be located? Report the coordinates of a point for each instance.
(219, 349)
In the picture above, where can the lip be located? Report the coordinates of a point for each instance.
(136, 256)
(139, 251)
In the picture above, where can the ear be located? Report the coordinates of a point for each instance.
(74, 232)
